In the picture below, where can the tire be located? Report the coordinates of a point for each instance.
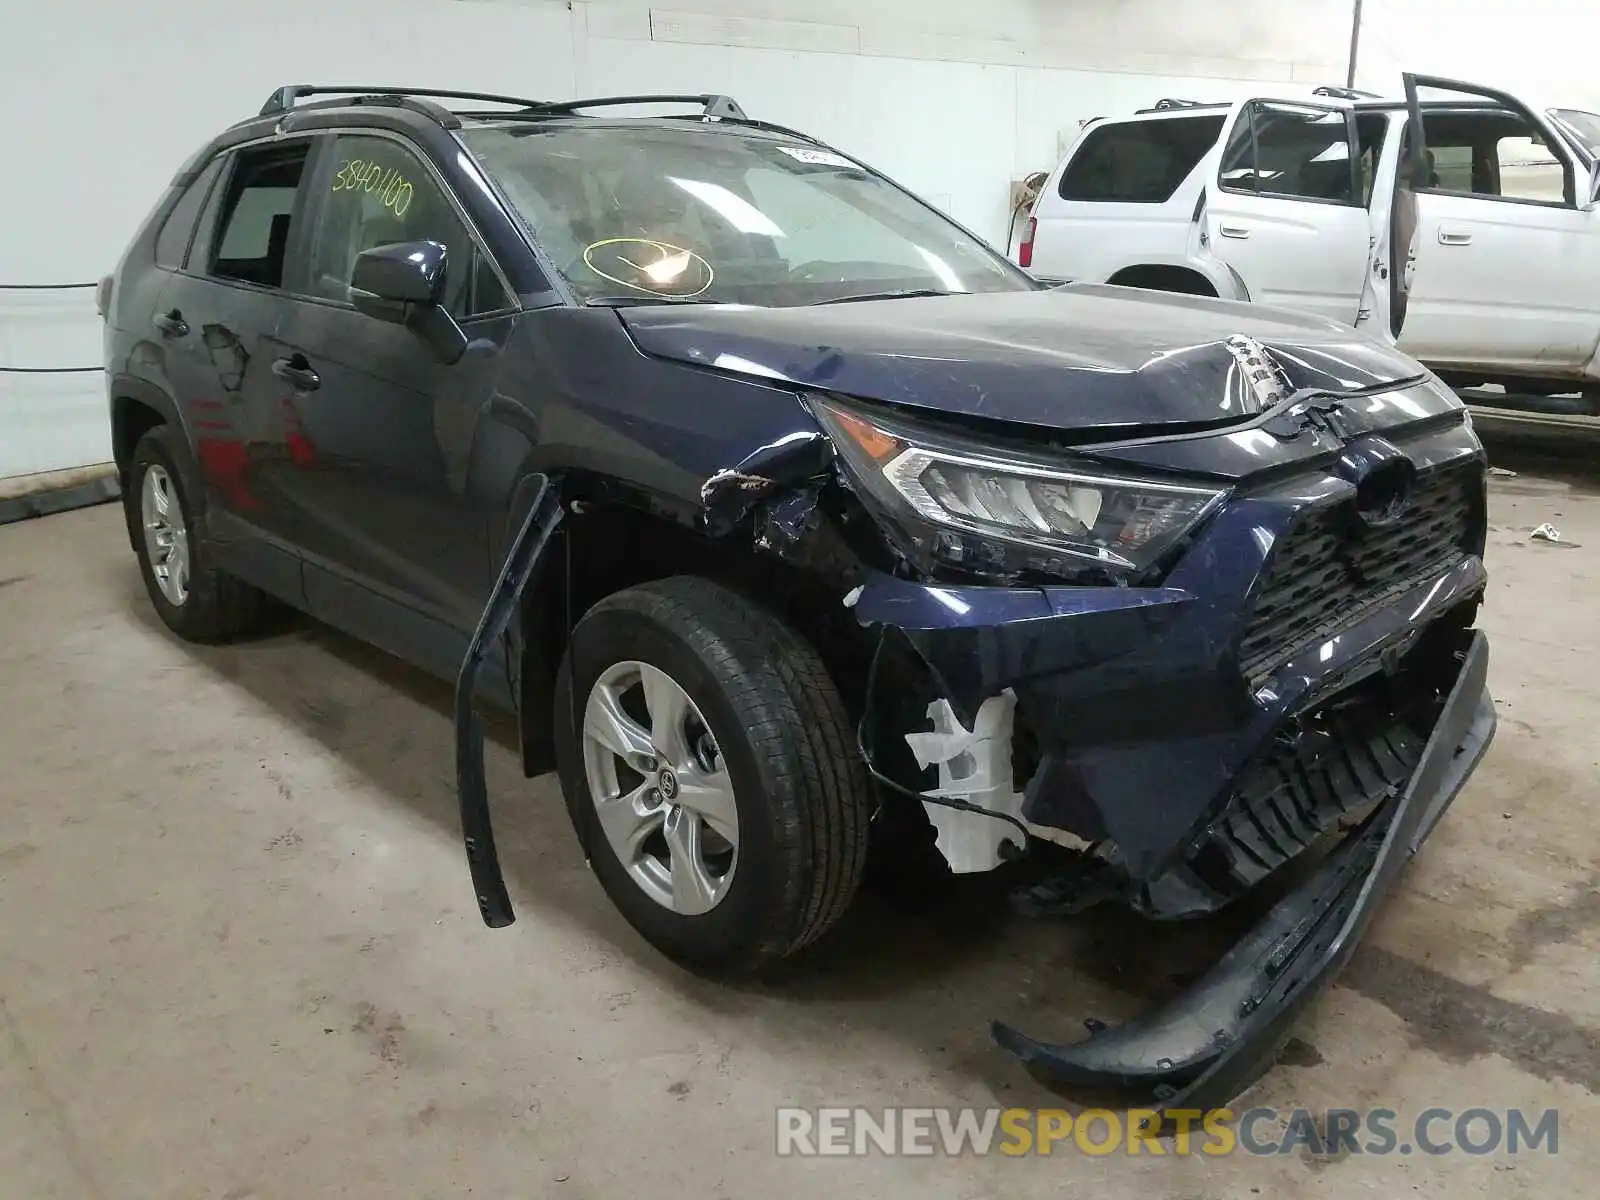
(214, 606)
(803, 798)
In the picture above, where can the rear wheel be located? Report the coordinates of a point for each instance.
(194, 599)
(709, 770)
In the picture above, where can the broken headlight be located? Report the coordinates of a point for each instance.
(995, 514)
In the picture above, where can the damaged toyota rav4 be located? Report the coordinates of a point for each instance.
(779, 509)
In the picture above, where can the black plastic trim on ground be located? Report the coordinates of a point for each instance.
(55, 500)
(472, 789)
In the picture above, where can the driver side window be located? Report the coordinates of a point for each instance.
(381, 193)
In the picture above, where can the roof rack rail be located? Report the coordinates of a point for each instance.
(767, 126)
(1168, 103)
(713, 108)
(283, 99)
(1344, 93)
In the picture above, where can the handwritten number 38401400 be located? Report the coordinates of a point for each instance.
(370, 178)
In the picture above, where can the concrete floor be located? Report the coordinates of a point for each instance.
(239, 957)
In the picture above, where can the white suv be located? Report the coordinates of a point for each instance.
(1474, 245)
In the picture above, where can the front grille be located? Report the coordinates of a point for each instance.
(1342, 764)
(1323, 772)
(1330, 570)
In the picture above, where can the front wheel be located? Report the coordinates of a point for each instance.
(709, 769)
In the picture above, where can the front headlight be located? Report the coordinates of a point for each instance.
(1000, 515)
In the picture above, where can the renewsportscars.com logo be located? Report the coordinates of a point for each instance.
(955, 1132)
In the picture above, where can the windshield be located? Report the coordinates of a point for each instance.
(1585, 126)
(646, 214)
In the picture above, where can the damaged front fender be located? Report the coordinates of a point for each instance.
(797, 463)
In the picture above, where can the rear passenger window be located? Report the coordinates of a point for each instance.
(1298, 152)
(1450, 169)
(1138, 162)
(172, 243)
(257, 209)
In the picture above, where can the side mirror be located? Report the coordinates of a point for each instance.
(403, 283)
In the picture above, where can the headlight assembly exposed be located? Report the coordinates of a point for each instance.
(985, 511)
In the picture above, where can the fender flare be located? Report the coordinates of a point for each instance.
(125, 389)
(541, 520)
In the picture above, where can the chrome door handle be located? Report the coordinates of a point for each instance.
(297, 373)
(1234, 231)
(172, 324)
(1452, 237)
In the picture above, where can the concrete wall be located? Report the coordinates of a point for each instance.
(954, 98)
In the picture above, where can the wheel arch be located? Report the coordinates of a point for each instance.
(1166, 277)
(601, 548)
(137, 407)
(606, 545)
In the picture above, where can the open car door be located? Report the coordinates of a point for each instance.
(1503, 242)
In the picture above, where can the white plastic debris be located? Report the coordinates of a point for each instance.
(974, 766)
(1502, 473)
(1546, 533)
(853, 595)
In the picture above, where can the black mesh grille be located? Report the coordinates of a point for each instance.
(1324, 771)
(1344, 761)
(1330, 570)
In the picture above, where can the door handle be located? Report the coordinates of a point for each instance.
(297, 373)
(1234, 231)
(1454, 237)
(172, 324)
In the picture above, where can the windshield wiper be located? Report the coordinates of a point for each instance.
(634, 301)
(899, 294)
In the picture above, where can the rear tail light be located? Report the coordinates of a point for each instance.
(102, 297)
(1025, 251)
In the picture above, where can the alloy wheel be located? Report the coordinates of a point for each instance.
(166, 537)
(660, 787)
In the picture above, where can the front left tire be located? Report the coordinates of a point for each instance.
(711, 773)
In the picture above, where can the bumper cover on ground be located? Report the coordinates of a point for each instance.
(1214, 1040)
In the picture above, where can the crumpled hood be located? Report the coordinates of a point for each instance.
(1076, 357)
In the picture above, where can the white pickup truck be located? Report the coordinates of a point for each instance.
(1465, 230)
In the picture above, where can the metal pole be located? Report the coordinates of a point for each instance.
(1355, 43)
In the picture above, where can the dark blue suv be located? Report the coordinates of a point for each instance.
(790, 520)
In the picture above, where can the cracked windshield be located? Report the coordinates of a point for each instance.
(664, 215)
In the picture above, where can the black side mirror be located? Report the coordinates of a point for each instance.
(402, 283)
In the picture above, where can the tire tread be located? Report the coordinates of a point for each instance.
(799, 731)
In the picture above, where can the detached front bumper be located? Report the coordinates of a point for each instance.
(1215, 1039)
